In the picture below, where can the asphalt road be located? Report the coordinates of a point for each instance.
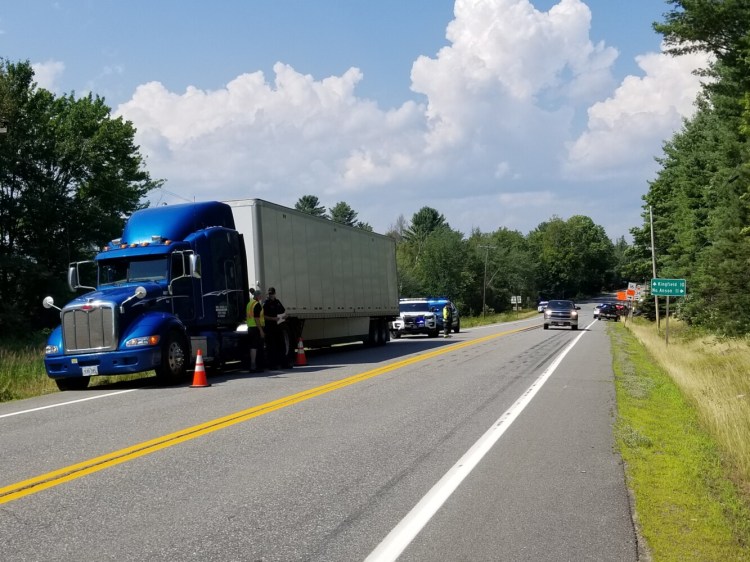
(490, 445)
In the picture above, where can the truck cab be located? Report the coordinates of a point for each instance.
(172, 284)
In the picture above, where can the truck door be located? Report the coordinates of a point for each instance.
(183, 292)
(227, 279)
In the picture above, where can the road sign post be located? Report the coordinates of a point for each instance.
(668, 288)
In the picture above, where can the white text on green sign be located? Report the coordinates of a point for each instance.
(668, 287)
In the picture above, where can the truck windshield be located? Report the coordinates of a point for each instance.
(112, 272)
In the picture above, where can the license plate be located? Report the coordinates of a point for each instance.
(90, 371)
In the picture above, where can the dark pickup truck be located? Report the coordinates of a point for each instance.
(561, 313)
(609, 312)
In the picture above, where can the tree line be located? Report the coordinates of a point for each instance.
(70, 174)
(700, 199)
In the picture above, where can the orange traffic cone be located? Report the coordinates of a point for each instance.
(300, 360)
(199, 376)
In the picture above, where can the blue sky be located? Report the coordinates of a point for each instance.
(497, 113)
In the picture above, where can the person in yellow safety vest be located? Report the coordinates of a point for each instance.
(255, 324)
(447, 320)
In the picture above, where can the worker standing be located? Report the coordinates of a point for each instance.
(274, 313)
(447, 320)
(255, 330)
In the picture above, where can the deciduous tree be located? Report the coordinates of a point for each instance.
(69, 174)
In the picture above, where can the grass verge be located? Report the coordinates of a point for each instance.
(687, 506)
(22, 373)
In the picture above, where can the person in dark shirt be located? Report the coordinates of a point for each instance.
(274, 313)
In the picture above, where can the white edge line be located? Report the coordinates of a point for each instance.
(409, 527)
(67, 403)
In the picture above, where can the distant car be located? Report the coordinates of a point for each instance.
(541, 306)
(609, 311)
(596, 310)
(561, 313)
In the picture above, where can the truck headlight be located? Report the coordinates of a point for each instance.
(51, 349)
(574, 314)
(142, 341)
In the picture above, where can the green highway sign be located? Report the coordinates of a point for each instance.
(668, 287)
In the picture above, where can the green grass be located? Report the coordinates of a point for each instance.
(471, 321)
(22, 373)
(686, 505)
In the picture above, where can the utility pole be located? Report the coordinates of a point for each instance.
(653, 264)
(484, 284)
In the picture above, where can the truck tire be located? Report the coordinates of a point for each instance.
(457, 327)
(175, 356)
(546, 326)
(383, 329)
(574, 326)
(73, 383)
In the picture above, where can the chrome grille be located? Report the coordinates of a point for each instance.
(565, 314)
(89, 328)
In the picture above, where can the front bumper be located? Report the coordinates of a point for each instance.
(109, 363)
(415, 325)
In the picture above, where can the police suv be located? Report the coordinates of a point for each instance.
(423, 316)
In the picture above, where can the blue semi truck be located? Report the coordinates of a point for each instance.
(178, 279)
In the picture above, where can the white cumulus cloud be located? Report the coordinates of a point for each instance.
(497, 142)
(46, 74)
(628, 128)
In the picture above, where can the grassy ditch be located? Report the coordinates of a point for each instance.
(684, 442)
(22, 373)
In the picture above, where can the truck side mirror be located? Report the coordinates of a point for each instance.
(73, 277)
(140, 292)
(49, 302)
(195, 266)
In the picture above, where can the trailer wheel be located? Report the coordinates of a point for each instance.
(383, 330)
(72, 383)
(174, 359)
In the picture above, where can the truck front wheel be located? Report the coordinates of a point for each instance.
(174, 359)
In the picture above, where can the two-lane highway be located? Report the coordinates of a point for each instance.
(495, 444)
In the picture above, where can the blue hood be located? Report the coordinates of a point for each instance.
(117, 294)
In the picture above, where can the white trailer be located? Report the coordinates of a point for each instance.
(338, 283)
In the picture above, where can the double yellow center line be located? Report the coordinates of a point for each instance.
(72, 472)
